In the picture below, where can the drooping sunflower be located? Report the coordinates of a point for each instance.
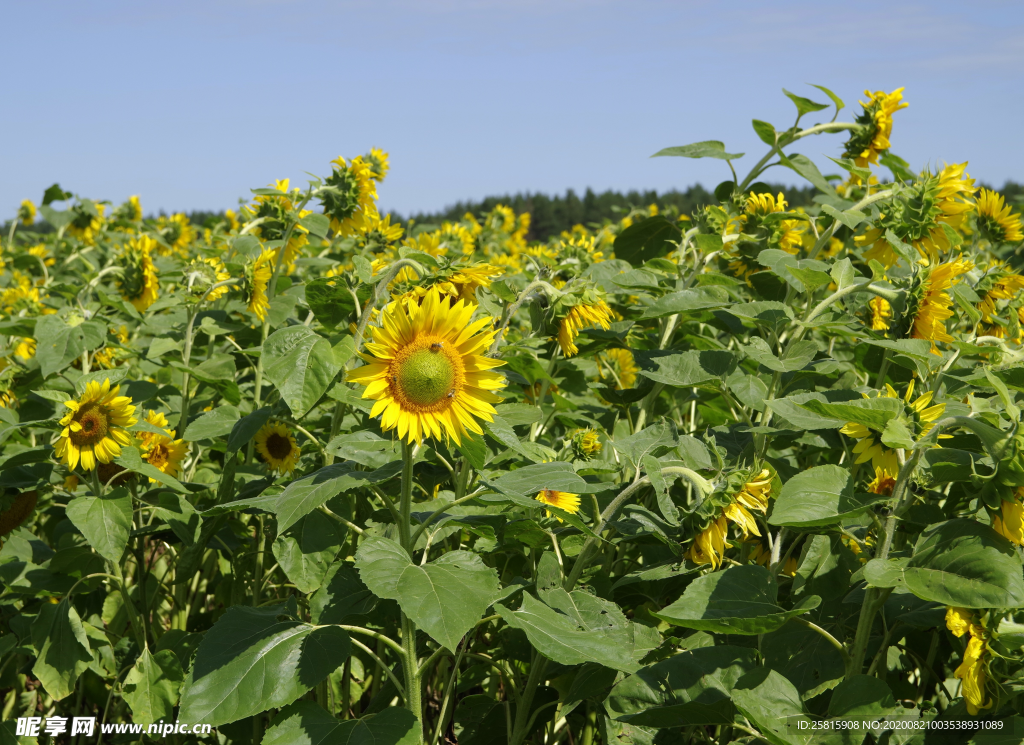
(586, 444)
(347, 193)
(426, 369)
(580, 317)
(934, 303)
(278, 219)
(999, 283)
(379, 163)
(865, 145)
(996, 221)
(94, 427)
(87, 221)
(618, 364)
(753, 494)
(973, 669)
(256, 277)
(562, 500)
(27, 212)
(138, 282)
(276, 445)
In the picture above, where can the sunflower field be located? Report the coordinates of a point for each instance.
(306, 475)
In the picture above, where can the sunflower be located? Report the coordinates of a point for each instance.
(883, 482)
(27, 212)
(784, 234)
(256, 277)
(760, 554)
(999, 283)
(372, 230)
(580, 317)
(378, 162)
(133, 209)
(586, 444)
(468, 278)
(276, 445)
(933, 306)
(562, 500)
(996, 221)
(87, 221)
(881, 312)
(138, 282)
(973, 668)
(348, 193)
(866, 144)
(618, 364)
(94, 427)
(178, 234)
(427, 371)
(162, 450)
(1010, 522)
(25, 348)
(203, 273)
(709, 545)
(581, 248)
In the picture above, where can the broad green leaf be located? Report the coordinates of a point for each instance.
(850, 218)
(706, 149)
(796, 357)
(531, 480)
(307, 723)
(151, 687)
(654, 440)
(885, 572)
(861, 697)
(692, 368)
(444, 597)
(835, 99)
(818, 497)
(806, 168)
(114, 376)
(342, 595)
(131, 460)
(765, 131)
(943, 465)
(689, 688)
(104, 521)
(804, 657)
(964, 563)
(792, 410)
(773, 705)
(246, 428)
(517, 414)
(63, 648)
(318, 225)
(567, 640)
(896, 435)
(502, 431)
(873, 413)
(213, 424)
(769, 314)
(804, 105)
(331, 301)
(301, 365)
(737, 600)
(179, 513)
(687, 301)
(254, 659)
(306, 550)
(648, 239)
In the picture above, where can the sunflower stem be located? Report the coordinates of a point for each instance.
(410, 661)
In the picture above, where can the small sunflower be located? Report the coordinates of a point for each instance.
(586, 444)
(883, 482)
(94, 428)
(973, 669)
(378, 162)
(934, 303)
(348, 193)
(999, 283)
(580, 317)
(865, 145)
(25, 348)
(618, 364)
(427, 371)
(139, 283)
(202, 274)
(562, 500)
(178, 234)
(276, 445)
(996, 221)
(27, 212)
(255, 280)
(162, 450)
(1009, 523)
(881, 313)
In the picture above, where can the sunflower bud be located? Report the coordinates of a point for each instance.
(585, 444)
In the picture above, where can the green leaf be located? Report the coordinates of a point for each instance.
(517, 414)
(444, 597)
(331, 301)
(58, 344)
(692, 368)
(706, 149)
(850, 218)
(254, 659)
(896, 435)
(301, 365)
(306, 550)
(804, 105)
(306, 723)
(690, 688)
(303, 496)
(873, 413)
(803, 165)
(63, 648)
(316, 224)
(573, 640)
(104, 521)
(766, 132)
(115, 376)
(835, 99)
(797, 357)
(341, 596)
(819, 497)
(656, 440)
(151, 687)
(737, 600)
(843, 273)
(964, 563)
(772, 704)
(648, 239)
(768, 314)
(502, 431)
(530, 480)
(861, 697)
(687, 301)
(792, 410)
(804, 657)
(212, 425)
(131, 460)
(904, 250)
(246, 428)
(179, 513)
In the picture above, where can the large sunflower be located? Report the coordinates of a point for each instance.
(934, 305)
(427, 371)
(94, 428)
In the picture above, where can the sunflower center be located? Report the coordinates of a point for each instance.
(426, 376)
(279, 446)
(94, 422)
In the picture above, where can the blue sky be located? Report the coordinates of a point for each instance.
(191, 104)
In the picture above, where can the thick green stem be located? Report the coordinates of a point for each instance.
(522, 721)
(410, 660)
